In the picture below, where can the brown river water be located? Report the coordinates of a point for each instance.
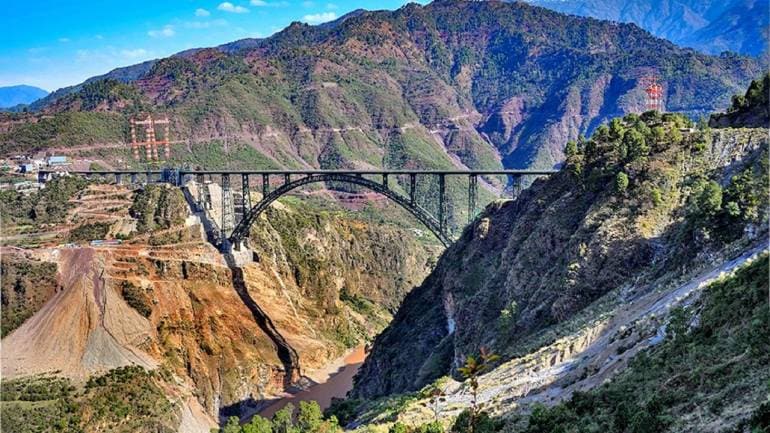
(338, 382)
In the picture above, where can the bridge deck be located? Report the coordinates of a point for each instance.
(309, 172)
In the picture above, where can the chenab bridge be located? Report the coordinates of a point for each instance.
(238, 213)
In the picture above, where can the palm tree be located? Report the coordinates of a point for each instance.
(473, 368)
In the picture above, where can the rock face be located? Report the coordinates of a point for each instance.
(453, 83)
(528, 265)
(101, 332)
(318, 285)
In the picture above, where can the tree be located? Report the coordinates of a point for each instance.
(621, 182)
(282, 420)
(710, 198)
(571, 149)
(635, 144)
(398, 427)
(232, 426)
(258, 424)
(617, 130)
(309, 419)
(431, 427)
(473, 368)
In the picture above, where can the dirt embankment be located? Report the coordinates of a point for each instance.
(84, 329)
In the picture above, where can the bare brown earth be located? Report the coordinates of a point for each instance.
(198, 328)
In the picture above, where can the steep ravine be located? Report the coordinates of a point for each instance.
(231, 338)
(528, 266)
(286, 353)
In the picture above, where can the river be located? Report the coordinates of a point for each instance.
(335, 381)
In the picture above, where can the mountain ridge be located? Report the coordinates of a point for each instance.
(499, 89)
(709, 26)
(22, 94)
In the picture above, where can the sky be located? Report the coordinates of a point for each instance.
(58, 43)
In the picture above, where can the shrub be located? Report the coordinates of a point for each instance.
(621, 182)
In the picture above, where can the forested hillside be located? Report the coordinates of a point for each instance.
(454, 83)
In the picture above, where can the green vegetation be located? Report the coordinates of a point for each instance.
(471, 370)
(751, 109)
(714, 367)
(89, 232)
(47, 206)
(125, 400)
(136, 298)
(309, 419)
(158, 207)
(65, 129)
(26, 285)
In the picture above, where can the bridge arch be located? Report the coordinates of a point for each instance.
(241, 230)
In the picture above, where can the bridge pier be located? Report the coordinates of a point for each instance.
(412, 187)
(442, 217)
(385, 180)
(472, 191)
(226, 206)
(516, 186)
(118, 178)
(246, 193)
(265, 184)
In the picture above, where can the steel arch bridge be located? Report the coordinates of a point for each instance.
(436, 226)
(231, 234)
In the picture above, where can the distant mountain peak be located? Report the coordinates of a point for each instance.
(11, 96)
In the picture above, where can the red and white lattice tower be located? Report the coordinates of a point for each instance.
(150, 140)
(134, 143)
(654, 91)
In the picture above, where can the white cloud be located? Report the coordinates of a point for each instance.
(229, 7)
(166, 32)
(64, 40)
(308, 4)
(100, 37)
(258, 3)
(331, 6)
(134, 54)
(200, 12)
(319, 18)
(205, 24)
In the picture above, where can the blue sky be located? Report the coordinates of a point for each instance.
(57, 43)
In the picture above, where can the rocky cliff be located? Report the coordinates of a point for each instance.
(643, 201)
(217, 340)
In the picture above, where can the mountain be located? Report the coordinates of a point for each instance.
(590, 288)
(417, 87)
(125, 74)
(615, 218)
(709, 26)
(11, 96)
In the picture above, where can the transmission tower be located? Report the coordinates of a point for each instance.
(149, 138)
(654, 91)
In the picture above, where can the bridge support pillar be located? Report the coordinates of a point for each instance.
(442, 214)
(227, 207)
(385, 180)
(472, 191)
(516, 186)
(246, 194)
(286, 179)
(133, 178)
(412, 187)
(118, 178)
(265, 185)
